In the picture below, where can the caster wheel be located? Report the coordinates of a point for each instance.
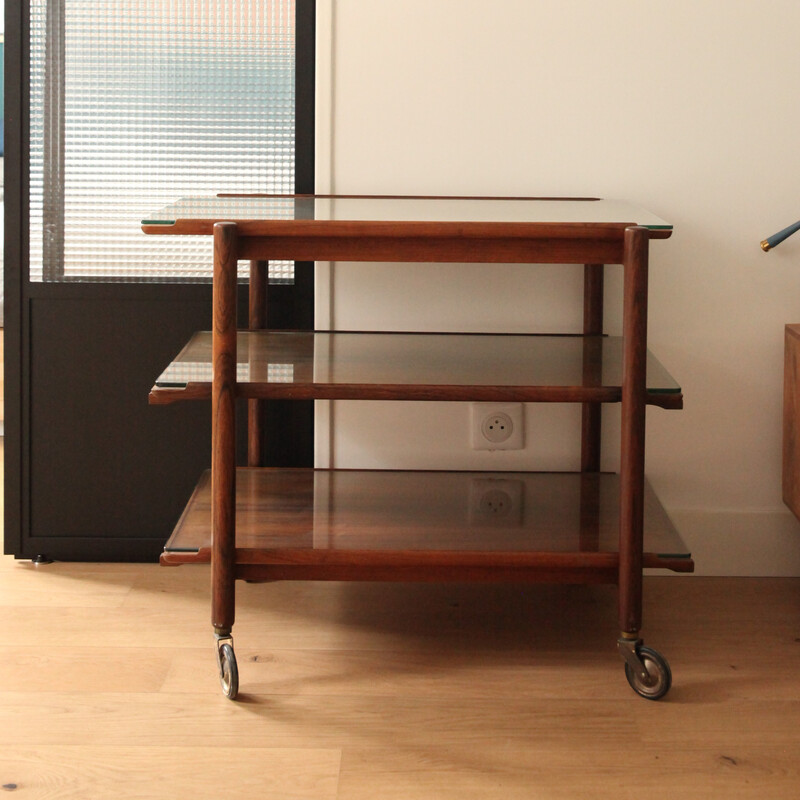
(659, 677)
(228, 671)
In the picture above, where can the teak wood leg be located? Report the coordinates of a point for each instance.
(590, 513)
(257, 321)
(223, 426)
(592, 325)
(634, 361)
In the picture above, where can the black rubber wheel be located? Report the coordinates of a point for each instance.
(659, 675)
(228, 672)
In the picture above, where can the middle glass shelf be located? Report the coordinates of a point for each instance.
(416, 366)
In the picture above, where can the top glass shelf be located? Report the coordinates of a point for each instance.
(357, 208)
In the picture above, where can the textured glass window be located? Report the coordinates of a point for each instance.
(136, 103)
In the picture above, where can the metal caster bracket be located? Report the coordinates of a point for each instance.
(629, 650)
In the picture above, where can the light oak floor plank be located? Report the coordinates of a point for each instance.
(580, 772)
(85, 669)
(60, 589)
(141, 773)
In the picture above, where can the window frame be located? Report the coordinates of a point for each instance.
(54, 268)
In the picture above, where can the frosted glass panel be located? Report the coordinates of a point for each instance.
(135, 103)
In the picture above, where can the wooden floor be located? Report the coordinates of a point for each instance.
(108, 690)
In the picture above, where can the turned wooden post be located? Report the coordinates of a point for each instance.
(257, 321)
(634, 388)
(223, 429)
(592, 326)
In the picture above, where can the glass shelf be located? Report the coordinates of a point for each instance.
(400, 365)
(406, 209)
(319, 513)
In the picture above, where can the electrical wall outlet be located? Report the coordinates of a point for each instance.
(497, 426)
(496, 502)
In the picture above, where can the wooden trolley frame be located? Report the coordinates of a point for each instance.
(591, 243)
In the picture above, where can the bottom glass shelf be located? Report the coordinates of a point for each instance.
(357, 518)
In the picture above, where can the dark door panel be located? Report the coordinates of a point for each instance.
(96, 445)
(102, 463)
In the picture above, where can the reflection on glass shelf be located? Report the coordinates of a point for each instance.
(416, 359)
(185, 372)
(232, 208)
(406, 209)
(393, 511)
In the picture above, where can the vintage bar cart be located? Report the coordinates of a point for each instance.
(254, 523)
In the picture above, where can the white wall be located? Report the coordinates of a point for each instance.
(688, 108)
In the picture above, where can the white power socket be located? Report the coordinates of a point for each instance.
(497, 426)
